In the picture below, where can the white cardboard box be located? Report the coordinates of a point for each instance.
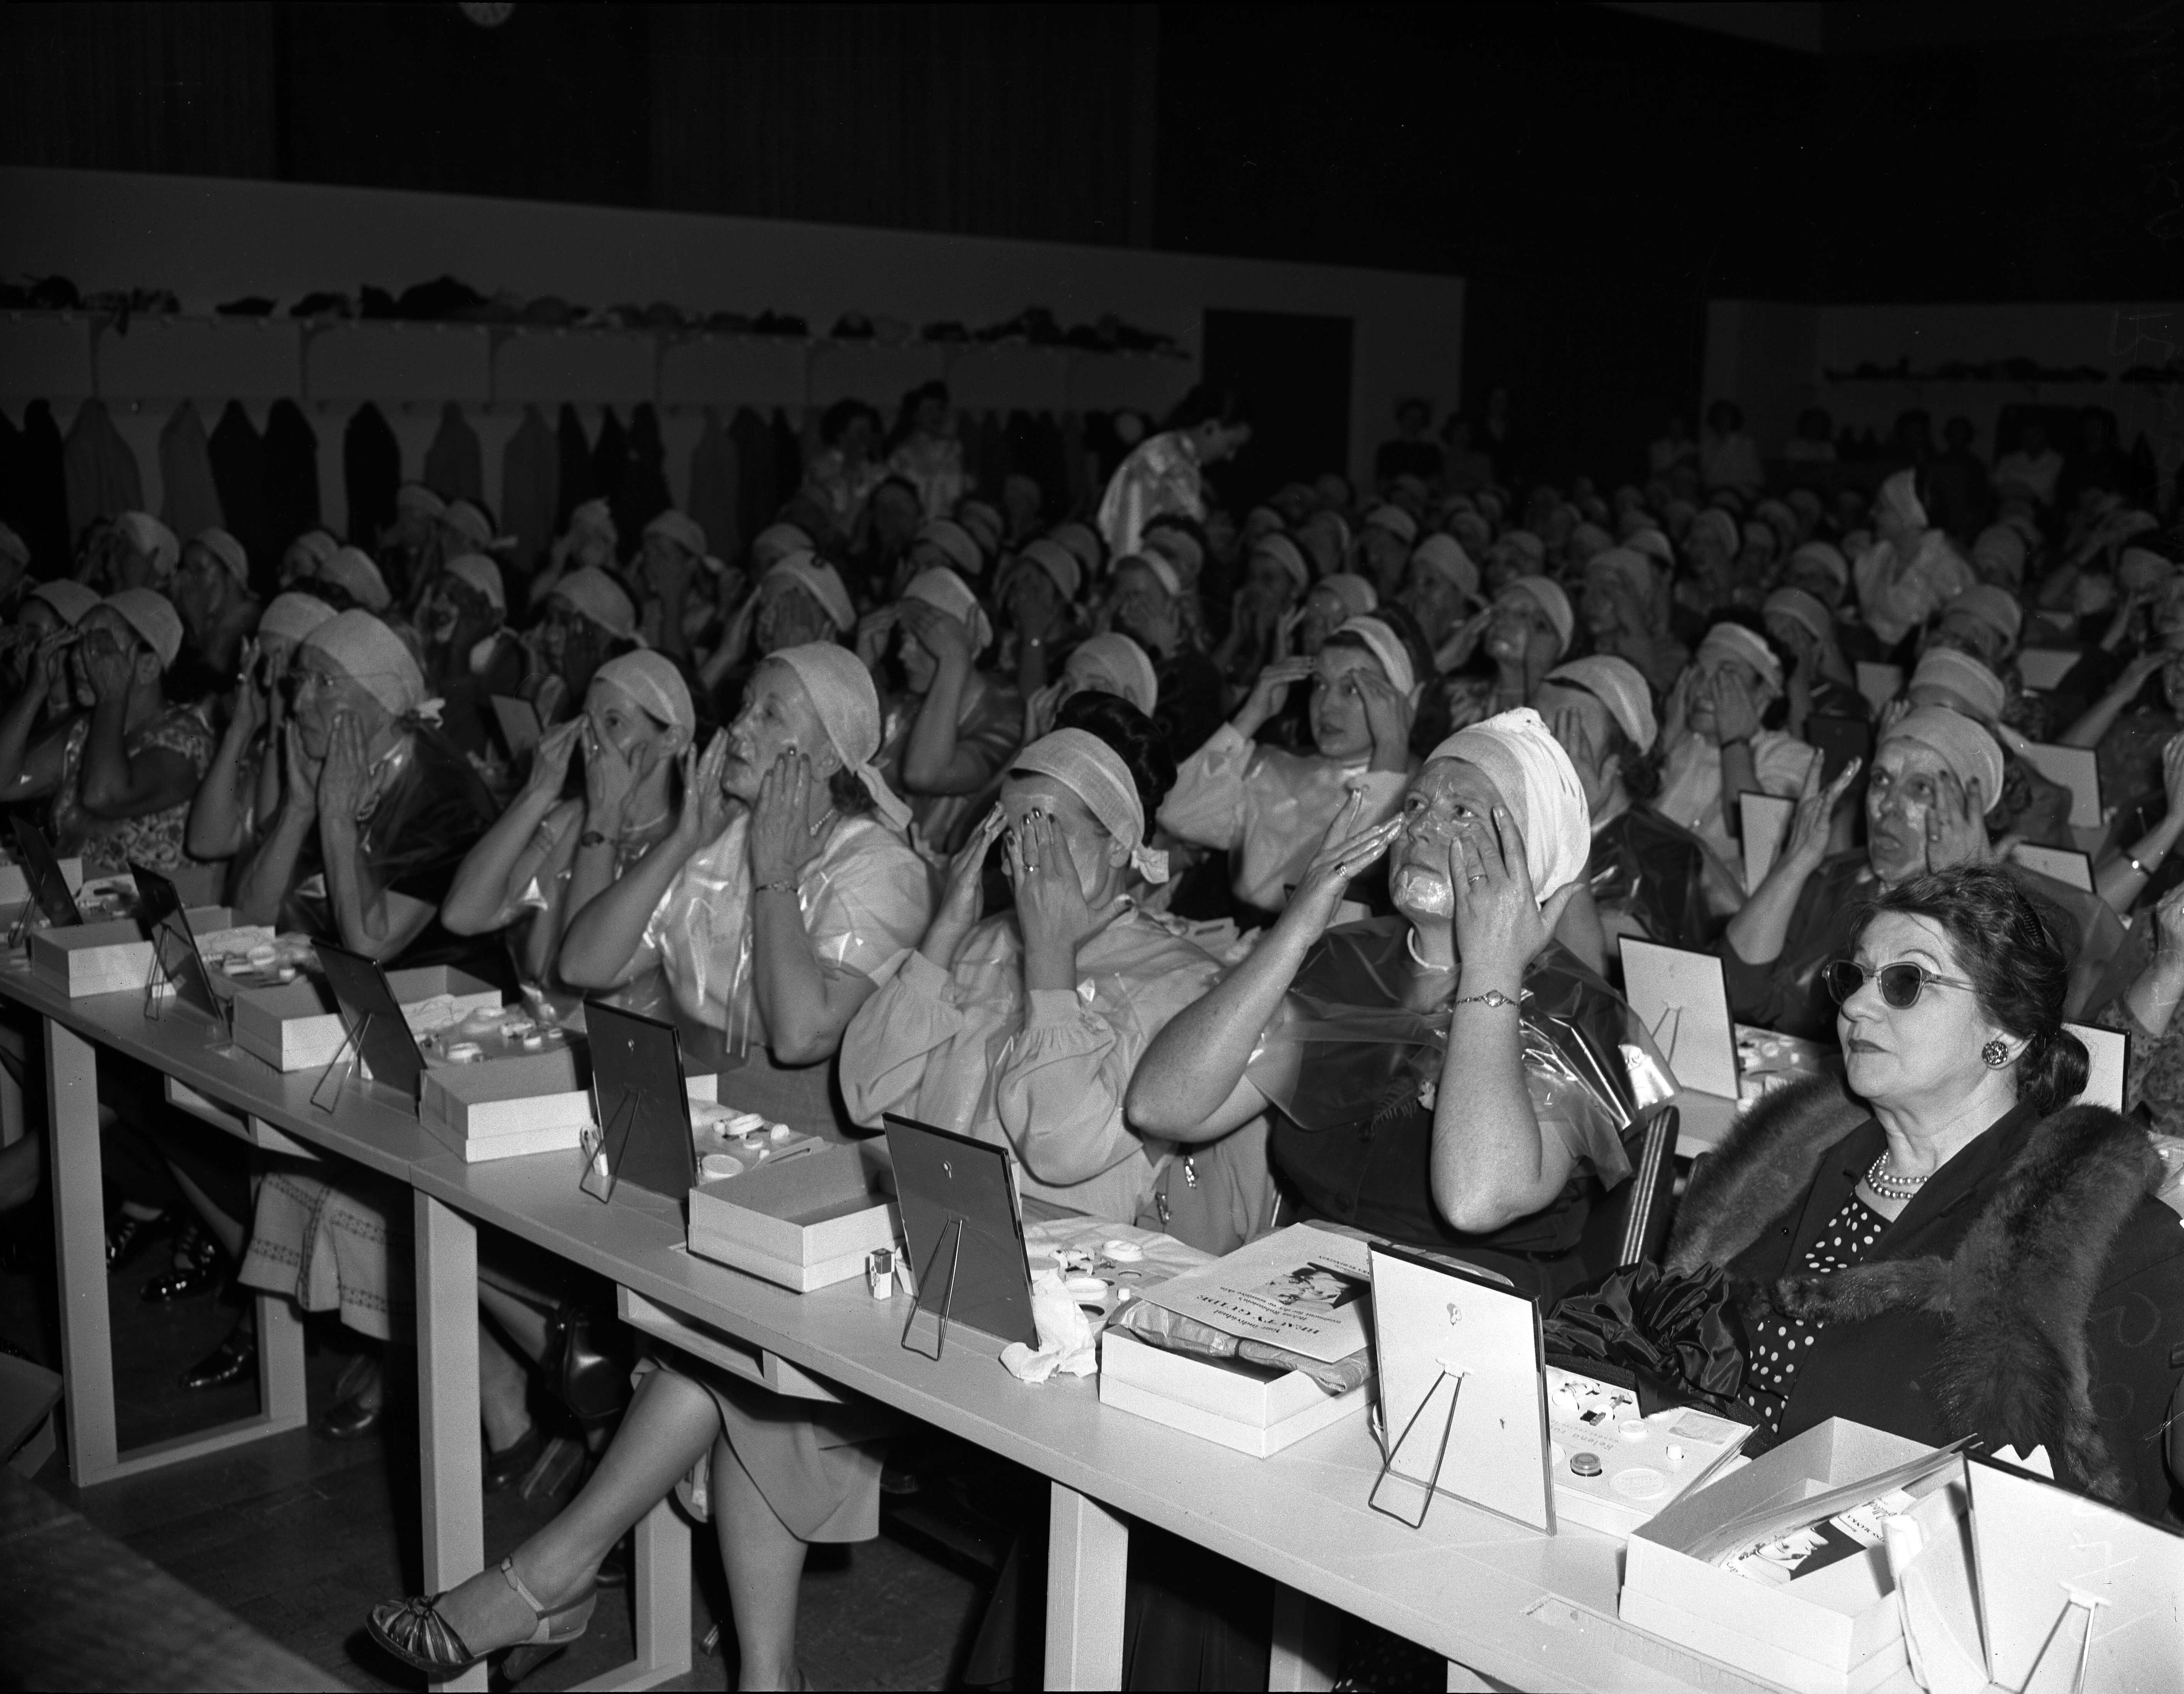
(113, 957)
(1248, 1408)
(505, 1108)
(295, 1027)
(1837, 1631)
(804, 1224)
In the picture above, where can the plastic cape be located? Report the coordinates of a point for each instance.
(1362, 1055)
(1652, 872)
(865, 901)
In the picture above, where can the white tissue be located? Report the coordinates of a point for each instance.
(1064, 1335)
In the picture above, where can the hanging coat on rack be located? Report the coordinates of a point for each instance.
(238, 467)
(455, 464)
(788, 459)
(530, 481)
(371, 472)
(291, 487)
(714, 480)
(188, 500)
(641, 494)
(37, 497)
(575, 485)
(755, 504)
(102, 475)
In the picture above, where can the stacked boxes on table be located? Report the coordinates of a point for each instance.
(297, 1028)
(503, 1108)
(106, 958)
(805, 1223)
(1252, 1408)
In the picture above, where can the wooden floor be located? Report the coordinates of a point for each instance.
(300, 1536)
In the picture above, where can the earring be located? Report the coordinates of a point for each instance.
(1996, 1053)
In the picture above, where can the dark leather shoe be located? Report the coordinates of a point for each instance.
(128, 1236)
(513, 1462)
(350, 1421)
(232, 1361)
(204, 1268)
(614, 1569)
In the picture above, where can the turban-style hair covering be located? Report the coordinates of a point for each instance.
(1899, 499)
(1964, 678)
(1649, 541)
(293, 616)
(481, 574)
(593, 594)
(1081, 539)
(469, 521)
(372, 655)
(1057, 561)
(1163, 570)
(316, 546)
(1548, 595)
(153, 616)
(1121, 662)
(227, 549)
(1472, 529)
(679, 527)
(1717, 526)
(1443, 556)
(956, 543)
(1394, 520)
(350, 570)
(1802, 608)
(777, 541)
(1386, 646)
(596, 517)
(1178, 546)
(820, 580)
(70, 599)
(1617, 684)
(1358, 596)
(1532, 547)
(1997, 607)
(1828, 558)
(1095, 773)
(1734, 641)
(2001, 550)
(416, 498)
(941, 586)
(148, 535)
(1285, 553)
(1538, 783)
(848, 706)
(1964, 748)
(653, 682)
(1631, 566)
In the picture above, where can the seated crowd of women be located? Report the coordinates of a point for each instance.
(1228, 871)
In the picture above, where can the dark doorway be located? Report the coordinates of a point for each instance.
(1290, 375)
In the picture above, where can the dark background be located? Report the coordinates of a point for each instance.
(1596, 175)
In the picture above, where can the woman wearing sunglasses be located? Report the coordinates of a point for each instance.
(1949, 1248)
(1937, 775)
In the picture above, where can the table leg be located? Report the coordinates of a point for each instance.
(1302, 1659)
(447, 1404)
(80, 1242)
(1088, 1558)
(661, 1606)
(12, 1122)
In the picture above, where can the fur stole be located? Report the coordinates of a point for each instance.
(2013, 1365)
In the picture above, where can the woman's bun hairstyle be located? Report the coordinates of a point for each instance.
(1136, 739)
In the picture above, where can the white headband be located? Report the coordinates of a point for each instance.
(1095, 773)
(1386, 646)
(1734, 641)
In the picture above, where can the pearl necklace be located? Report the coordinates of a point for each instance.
(1888, 1186)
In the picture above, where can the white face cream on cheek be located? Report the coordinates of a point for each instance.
(1415, 889)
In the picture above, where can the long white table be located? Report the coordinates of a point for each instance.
(1498, 1601)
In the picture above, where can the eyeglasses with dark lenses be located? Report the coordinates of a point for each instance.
(1901, 983)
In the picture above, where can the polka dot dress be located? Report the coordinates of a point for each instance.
(1777, 1345)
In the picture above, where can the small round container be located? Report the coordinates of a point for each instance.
(1123, 1252)
(1585, 1464)
(465, 1053)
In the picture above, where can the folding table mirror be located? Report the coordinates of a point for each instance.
(964, 1232)
(175, 962)
(643, 1107)
(379, 1035)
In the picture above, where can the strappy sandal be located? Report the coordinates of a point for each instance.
(416, 1633)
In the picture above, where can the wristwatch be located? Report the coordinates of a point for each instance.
(593, 837)
(1492, 997)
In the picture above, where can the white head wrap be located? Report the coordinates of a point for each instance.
(653, 682)
(1095, 773)
(316, 546)
(959, 546)
(153, 616)
(349, 569)
(941, 586)
(1057, 561)
(1538, 783)
(1828, 558)
(1618, 685)
(481, 574)
(415, 498)
(2001, 550)
(293, 616)
(1964, 747)
(1395, 520)
(1734, 641)
(1286, 554)
(148, 536)
(1899, 499)
(1802, 608)
(820, 580)
(469, 520)
(1962, 678)
(848, 706)
(1533, 548)
(68, 598)
(1634, 567)
(679, 527)
(1121, 662)
(1178, 546)
(1443, 556)
(777, 541)
(1163, 570)
(597, 596)
(1717, 526)
(1358, 596)
(372, 655)
(227, 549)
(1549, 595)
(1386, 646)
(595, 517)
(1997, 607)
(1656, 546)
(1082, 540)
